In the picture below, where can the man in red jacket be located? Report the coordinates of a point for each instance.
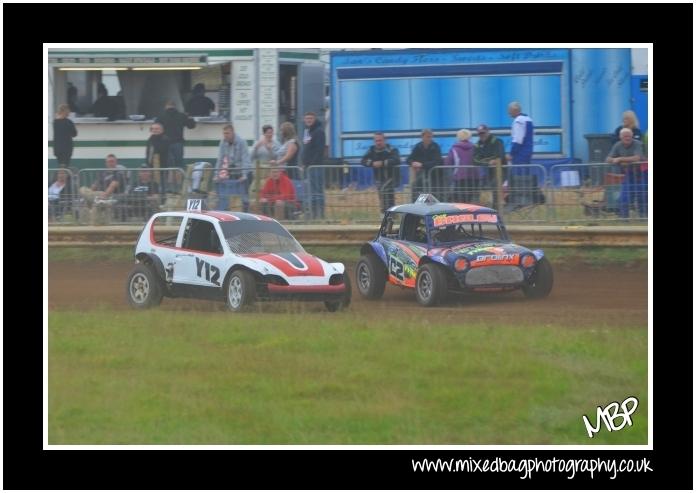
(278, 195)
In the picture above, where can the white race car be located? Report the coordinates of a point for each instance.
(232, 256)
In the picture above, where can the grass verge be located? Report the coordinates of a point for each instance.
(209, 378)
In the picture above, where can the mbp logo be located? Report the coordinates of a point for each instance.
(609, 415)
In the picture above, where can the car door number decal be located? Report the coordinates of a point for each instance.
(212, 273)
(396, 268)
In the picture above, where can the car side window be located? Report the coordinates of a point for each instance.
(165, 230)
(201, 235)
(392, 225)
(414, 229)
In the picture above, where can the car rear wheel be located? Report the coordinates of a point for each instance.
(143, 288)
(240, 291)
(371, 276)
(541, 282)
(344, 302)
(431, 284)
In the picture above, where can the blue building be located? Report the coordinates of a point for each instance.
(569, 93)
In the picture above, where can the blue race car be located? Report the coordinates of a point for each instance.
(436, 247)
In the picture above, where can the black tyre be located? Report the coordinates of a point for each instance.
(371, 276)
(344, 302)
(431, 284)
(143, 288)
(240, 290)
(541, 282)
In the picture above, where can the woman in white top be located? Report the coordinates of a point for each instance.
(266, 149)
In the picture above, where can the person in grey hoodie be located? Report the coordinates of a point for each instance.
(466, 178)
(233, 169)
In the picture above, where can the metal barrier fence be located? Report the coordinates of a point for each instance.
(126, 195)
(347, 192)
(599, 192)
(353, 192)
(518, 191)
(251, 189)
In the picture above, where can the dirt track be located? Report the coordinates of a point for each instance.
(581, 297)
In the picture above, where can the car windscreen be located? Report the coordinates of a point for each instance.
(259, 237)
(458, 228)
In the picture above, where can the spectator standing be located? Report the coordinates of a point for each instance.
(199, 104)
(278, 195)
(289, 152)
(630, 120)
(264, 151)
(522, 135)
(104, 105)
(63, 132)
(628, 154)
(490, 153)
(72, 99)
(314, 141)
(466, 178)
(266, 148)
(173, 122)
(423, 158)
(157, 152)
(233, 169)
(384, 161)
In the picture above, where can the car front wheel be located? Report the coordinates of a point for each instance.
(541, 282)
(431, 284)
(371, 276)
(240, 291)
(344, 302)
(143, 288)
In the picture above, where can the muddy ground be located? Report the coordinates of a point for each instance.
(610, 296)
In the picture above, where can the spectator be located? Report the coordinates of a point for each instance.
(157, 152)
(266, 148)
(145, 195)
(490, 152)
(628, 154)
(119, 105)
(384, 161)
(72, 99)
(423, 158)
(630, 120)
(174, 122)
(199, 104)
(278, 195)
(63, 132)
(110, 182)
(232, 169)
(288, 153)
(104, 105)
(58, 195)
(522, 135)
(466, 179)
(314, 141)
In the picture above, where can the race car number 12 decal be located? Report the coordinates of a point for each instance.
(396, 268)
(209, 269)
